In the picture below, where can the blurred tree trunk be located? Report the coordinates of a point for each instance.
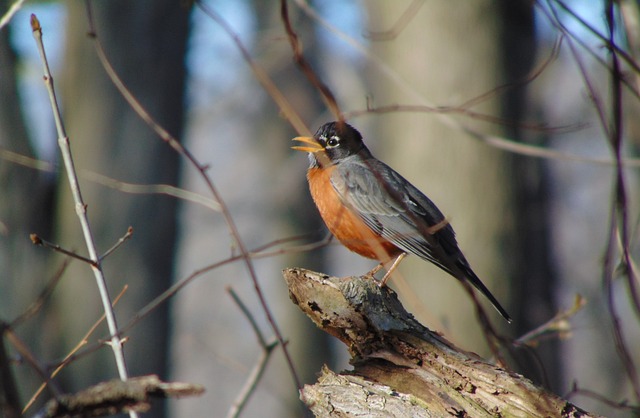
(145, 42)
(25, 207)
(535, 278)
(465, 50)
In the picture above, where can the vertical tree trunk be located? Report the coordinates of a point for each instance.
(25, 207)
(145, 42)
(535, 278)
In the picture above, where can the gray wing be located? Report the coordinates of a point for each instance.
(402, 214)
(398, 211)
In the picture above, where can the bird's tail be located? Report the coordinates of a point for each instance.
(470, 276)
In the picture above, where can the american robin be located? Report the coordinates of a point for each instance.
(375, 212)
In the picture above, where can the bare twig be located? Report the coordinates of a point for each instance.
(15, 7)
(132, 188)
(307, 70)
(81, 208)
(396, 29)
(30, 358)
(619, 216)
(117, 245)
(259, 368)
(10, 404)
(37, 240)
(37, 304)
(620, 405)
(556, 327)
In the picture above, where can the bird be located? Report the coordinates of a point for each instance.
(375, 212)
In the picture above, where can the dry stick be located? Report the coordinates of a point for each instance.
(92, 176)
(301, 61)
(403, 21)
(117, 245)
(9, 394)
(619, 212)
(621, 405)
(557, 327)
(37, 304)
(37, 240)
(202, 169)
(258, 370)
(15, 7)
(31, 359)
(81, 209)
(621, 193)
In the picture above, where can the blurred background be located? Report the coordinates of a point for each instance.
(502, 112)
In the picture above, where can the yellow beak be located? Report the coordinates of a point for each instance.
(314, 146)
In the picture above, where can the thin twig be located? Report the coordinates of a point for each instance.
(557, 326)
(37, 240)
(396, 29)
(117, 245)
(258, 370)
(131, 188)
(15, 7)
(619, 215)
(621, 405)
(81, 208)
(31, 359)
(248, 315)
(307, 70)
(37, 304)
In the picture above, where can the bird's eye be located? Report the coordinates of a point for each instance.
(333, 142)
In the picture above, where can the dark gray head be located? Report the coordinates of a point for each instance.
(332, 143)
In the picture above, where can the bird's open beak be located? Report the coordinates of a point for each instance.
(314, 145)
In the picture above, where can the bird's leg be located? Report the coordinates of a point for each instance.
(390, 270)
(374, 270)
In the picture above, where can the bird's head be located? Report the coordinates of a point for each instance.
(331, 144)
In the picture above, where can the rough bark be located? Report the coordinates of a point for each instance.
(401, 368)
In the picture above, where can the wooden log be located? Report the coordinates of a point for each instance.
(401, 368)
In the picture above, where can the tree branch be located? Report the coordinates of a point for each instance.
(401, 368)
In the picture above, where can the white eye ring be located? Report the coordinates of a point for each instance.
(333, 142)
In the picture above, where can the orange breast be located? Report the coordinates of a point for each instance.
(345, 225)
